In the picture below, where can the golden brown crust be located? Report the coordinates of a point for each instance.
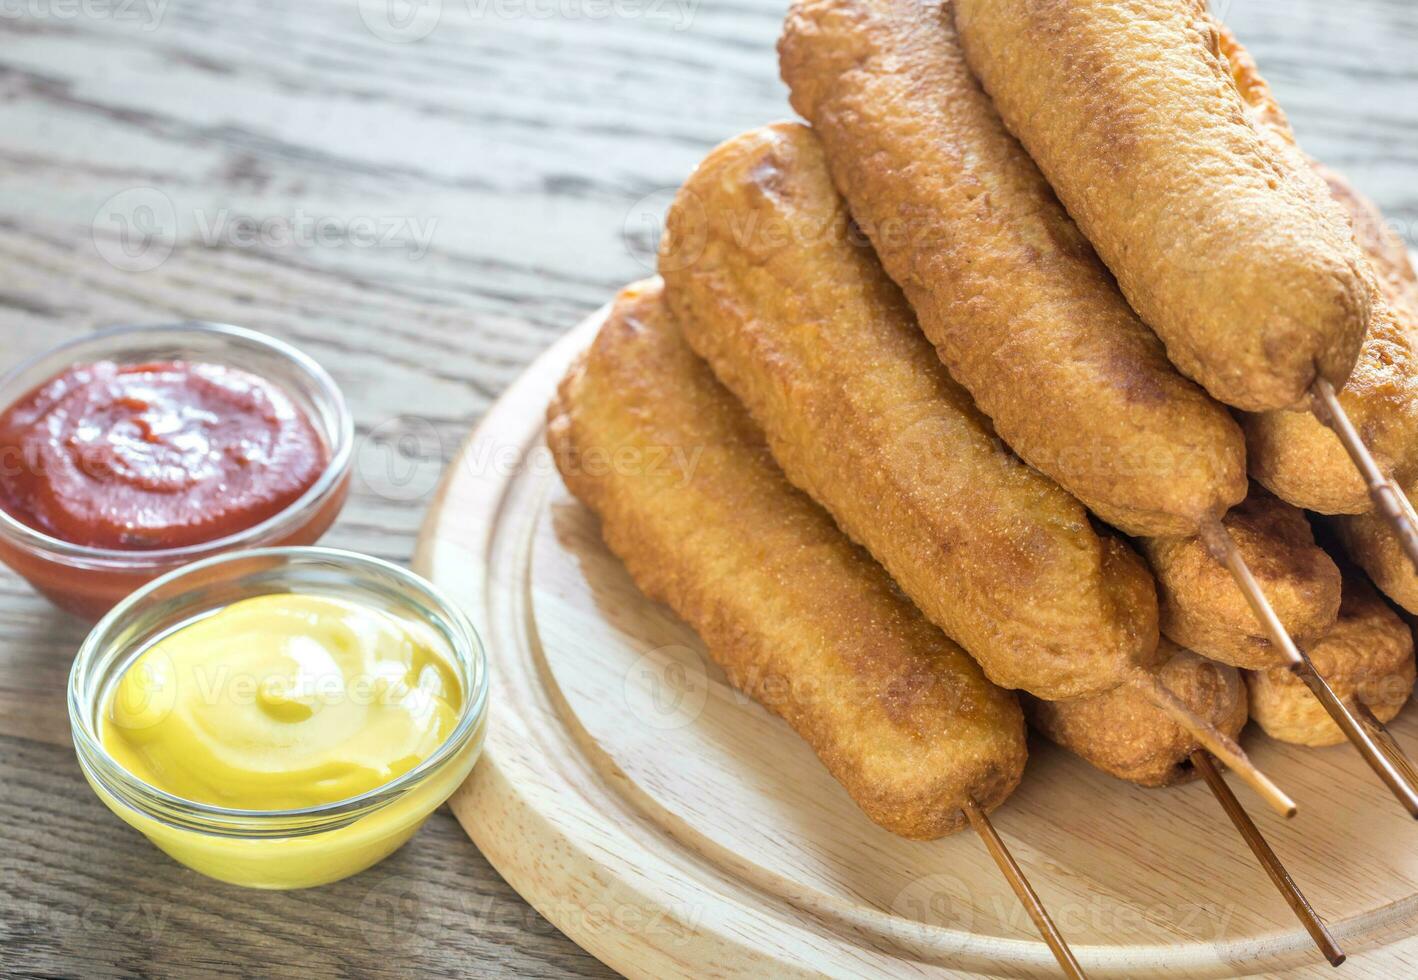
(1219, 236)
(1005, 286)
(1299, 459)
(798, 617)
(1368, 655)
(1126, 735)
(1203, 609)
(1385, 248)
(1384, 403)
(798, 319)
(1251, 84)
(1371, 544)
(1291, 453)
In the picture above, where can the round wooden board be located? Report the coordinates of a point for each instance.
(673, 828)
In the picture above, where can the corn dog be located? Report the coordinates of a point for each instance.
(1125, 735)
(798, 617)
(859, 72)
(1223, 240)
(1389, 362)
(1367, 656)
(802, 324)
(1005, 286)
(1299, 459)
(1201, 608)
(1384, 247)
(1371, 544)
(1293, 453)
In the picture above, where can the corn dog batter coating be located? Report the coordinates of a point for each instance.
(1219, 237)
(1292, 453)
(1367, 539)
(1203, 609)
(1367, 656)
(798, 319)
(797, 616)
(1370, 543)
(1127, 736)
(1301, 460)
(1385, 249)
(1009, 291)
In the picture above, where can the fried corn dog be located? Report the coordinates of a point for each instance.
(1367, 656)
(1292, 453)
(797, 616)
(1008, 290)
(799, 320)
(1389, 359)
(1201, 608)
(1298, 458)
(994, 233)
(1221, 238)
(1384, 247)
(1371, 544)
(1124, 735)
(1127, 736)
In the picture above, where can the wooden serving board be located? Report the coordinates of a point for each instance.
(673, 828)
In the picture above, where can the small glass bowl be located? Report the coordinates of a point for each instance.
(278, 848)
(89, 581)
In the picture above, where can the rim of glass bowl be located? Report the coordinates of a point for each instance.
(340, 435)
(86, 703)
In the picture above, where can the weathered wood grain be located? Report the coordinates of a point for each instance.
(514, 162)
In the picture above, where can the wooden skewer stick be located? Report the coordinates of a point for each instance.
(1380, 734)
(1267, 858)
(1024, 891)
(1406, 506)
(1219, 542)
(1390, 501)
(1216, 741)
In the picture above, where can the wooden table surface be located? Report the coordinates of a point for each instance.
(422, 195)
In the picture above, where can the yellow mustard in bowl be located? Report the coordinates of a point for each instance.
(279, 718)
(281, 702)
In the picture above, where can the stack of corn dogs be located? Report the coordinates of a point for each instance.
(999, 369)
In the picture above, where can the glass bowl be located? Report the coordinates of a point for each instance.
(276, 848)
(88, 581)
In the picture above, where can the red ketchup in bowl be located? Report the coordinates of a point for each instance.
(129, 453)
(154, 456)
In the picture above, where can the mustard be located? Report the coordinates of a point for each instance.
(283, 702)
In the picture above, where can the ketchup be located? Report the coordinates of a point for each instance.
(150, 456)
